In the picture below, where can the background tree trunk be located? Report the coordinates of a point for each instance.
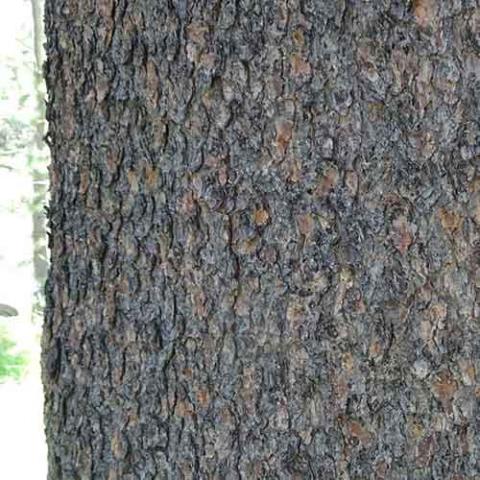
(39, 159)
(264, 239)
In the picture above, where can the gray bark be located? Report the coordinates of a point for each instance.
(264, 239)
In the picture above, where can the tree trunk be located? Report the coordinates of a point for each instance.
(264, 239)
(38, 171)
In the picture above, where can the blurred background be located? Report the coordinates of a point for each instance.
(23, 253)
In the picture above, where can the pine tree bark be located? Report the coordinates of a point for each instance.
(264, 240)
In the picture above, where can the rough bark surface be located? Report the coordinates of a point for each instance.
(265, 239)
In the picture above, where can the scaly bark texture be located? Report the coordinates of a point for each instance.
(265, 239)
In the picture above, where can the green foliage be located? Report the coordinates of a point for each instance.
(12, 364)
